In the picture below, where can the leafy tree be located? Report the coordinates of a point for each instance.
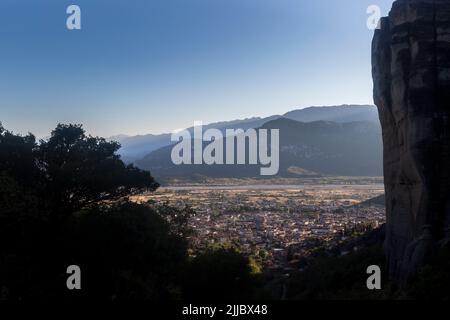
(64, 200)
(70, 170)
(17, 157)
(81, 171)
(19, 178)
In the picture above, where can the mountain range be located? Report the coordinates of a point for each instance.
(136, 147)
(340, 140)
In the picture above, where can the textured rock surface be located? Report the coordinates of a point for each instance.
(411, 71)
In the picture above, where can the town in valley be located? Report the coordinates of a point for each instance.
(275, 223)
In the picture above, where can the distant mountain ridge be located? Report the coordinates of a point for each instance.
(135, 148)
(340, 114)
(306, 149)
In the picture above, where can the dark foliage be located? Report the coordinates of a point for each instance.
(330, 276)
(64, 201)
(221, 274)
(82, 170)
(125, 251)
(338, 278)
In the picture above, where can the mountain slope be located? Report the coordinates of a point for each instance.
(321, 147)
(137, 147)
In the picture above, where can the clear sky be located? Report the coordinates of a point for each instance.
(151, 66)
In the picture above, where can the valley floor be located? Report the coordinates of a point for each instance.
(277, 224)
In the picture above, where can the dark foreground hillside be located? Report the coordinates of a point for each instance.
(64, 201)
(329, 275)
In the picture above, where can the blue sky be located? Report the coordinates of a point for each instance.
(153, 66)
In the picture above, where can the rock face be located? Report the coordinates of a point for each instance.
(411, 72)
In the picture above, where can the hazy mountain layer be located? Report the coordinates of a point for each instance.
(136, 147)
(316, 148)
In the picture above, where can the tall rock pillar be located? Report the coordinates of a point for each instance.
(411, 73)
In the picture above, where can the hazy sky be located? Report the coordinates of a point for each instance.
(146, 66)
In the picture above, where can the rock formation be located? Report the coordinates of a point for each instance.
(411, 72)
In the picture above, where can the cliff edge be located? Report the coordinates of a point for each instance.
(411, 73)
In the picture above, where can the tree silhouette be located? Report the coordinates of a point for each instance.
(65, 200)
(81, 170)
(17, 157)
